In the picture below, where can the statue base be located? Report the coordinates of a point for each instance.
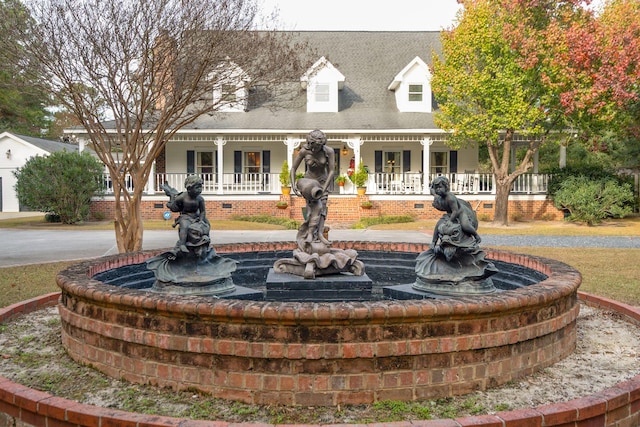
(180, 273)
(196, 285)
(336, 287)
(324, 262)
(464, 287)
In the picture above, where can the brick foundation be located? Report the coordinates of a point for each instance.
(342, 209)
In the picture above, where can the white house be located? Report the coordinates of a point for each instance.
(369, 92)
(15, 150)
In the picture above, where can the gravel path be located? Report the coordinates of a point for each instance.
(607, 353)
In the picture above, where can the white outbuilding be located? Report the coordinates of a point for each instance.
(15, 150)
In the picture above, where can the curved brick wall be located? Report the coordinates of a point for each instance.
(319, 353)
(615, 406)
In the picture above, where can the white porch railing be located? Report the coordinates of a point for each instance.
(232, 183)
(379, 183)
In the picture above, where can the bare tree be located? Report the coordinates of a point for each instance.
(134, 72)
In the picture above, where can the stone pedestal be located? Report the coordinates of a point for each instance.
(337, 287)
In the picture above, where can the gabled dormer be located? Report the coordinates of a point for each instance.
(230, 90)
(322, 82)
(412, 87)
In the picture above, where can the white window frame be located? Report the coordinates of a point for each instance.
(247, 167)
(392, 162)
(414, 95)
(322, 92)
(200, 165)
(439, 168)
(229, 93)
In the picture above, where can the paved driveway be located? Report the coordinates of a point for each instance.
(21, 247)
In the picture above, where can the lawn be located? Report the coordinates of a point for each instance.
(612, 273)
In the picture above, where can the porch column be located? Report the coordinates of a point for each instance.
(220, 143)
(151, 181)
(355, 144)
(563, 155)
(426, 166)
(292, 144)
(536, 159)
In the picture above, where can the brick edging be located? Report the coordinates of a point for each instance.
(617, 405)
(328, 354)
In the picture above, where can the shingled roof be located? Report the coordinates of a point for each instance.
(369, 60)
(47, 145)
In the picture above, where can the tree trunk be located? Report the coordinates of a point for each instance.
(500, 158)
(501, 210)
(128, 222)
(128, 228)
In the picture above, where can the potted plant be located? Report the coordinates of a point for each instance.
(285, 181)
(366, 204)
(360, 177)
(341, 179)
(282, 204)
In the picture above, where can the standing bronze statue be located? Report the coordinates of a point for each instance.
(319, 161)
(314, 256)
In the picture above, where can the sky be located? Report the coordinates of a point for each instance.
(364, 15)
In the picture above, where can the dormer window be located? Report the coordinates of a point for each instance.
(322, 92)
(229, 93)
(415, 93)
(412, 87)
(230, 90)
(322, 82)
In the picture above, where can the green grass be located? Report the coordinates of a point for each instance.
(611, 272)
(286, 223)
(25, 282)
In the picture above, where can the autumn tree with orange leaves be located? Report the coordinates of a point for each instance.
(598, 65)
(491, 83)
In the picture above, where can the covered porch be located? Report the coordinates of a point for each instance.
(408, 183)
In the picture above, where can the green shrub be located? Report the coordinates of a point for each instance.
(383, 219)
(360, 176)
(289, 224)
(591, 171)
(285, 177)
(61, 184)
(51, 217)
(484, 217)
(593, 200)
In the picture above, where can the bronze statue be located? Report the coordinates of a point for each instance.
(193, 226)
(314, 256)
(455, 264)
(192, 267)
(319, 160)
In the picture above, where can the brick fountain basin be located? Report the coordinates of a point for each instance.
(319, 353)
